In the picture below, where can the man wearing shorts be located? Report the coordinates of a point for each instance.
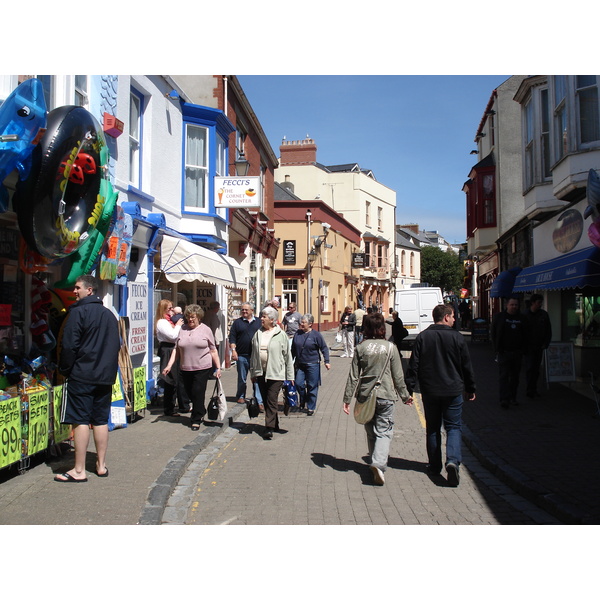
(88, 360)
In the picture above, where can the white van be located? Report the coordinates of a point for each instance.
(414, 307)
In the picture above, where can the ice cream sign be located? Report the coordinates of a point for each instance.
(237, 192)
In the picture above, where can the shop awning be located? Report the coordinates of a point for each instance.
(183, 261)
(574, 270)
(502, 287)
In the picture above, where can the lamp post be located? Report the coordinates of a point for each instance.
(308, 282)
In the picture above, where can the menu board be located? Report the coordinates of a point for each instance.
(560, 362)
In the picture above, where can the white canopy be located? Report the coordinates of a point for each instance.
(183, 261)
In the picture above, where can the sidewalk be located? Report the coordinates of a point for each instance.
(546, 449)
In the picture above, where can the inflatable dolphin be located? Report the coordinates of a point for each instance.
(22, 125)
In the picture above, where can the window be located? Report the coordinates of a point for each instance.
(368, 214)
(529, 146)
(412, 264)
(403, 262)
(81, 91)
(545, 133)
(290, 291)
(221, 167)
(367, 254)
(240, 142)
(379, 217)
(48, 85)
(196, 167)
(560, 116)
(489, 204)
(135, 139)
(380, 256)
(325, 296)
(536, 138)
(587, 104)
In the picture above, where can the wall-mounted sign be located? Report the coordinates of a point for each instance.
(289, 252)
(237, 192)
(358, 260)
(568, 230)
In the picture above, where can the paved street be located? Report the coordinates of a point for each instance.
(315, 474)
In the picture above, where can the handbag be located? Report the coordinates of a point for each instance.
(338, 337)
(212, 410)
(364, 411)
(253, 410)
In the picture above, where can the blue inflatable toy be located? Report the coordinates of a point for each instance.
(22, 125)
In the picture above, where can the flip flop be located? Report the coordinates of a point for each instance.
(68, 478)
(105, 474)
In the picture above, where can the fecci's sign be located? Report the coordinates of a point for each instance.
(138, 318)
(237, 192)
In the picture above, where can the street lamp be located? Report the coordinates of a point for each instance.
(242, 166)
(308, 283)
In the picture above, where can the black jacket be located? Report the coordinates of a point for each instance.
(440, 363)
(510, 333)
(90, 343)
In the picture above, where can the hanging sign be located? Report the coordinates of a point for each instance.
(138, 318)
(289, 252)
(237, 192)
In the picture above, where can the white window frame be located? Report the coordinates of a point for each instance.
(202, 170)
(325, 295)
(81, 85)
(580, 90)
(136, 108)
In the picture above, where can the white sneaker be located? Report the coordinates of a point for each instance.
(377, 475)
(343, 356)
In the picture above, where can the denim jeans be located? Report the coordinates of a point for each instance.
(243, 364)
(308, 378)
(446, 410)
(380, 431)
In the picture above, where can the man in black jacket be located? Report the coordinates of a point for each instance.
(441, 364)
(89, 356)
(509, 337)
(540, 336)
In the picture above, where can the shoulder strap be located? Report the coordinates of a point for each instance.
(389, 354)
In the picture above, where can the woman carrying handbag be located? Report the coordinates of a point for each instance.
(377, 369)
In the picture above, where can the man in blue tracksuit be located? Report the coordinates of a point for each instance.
(240, 341)
(89, 355)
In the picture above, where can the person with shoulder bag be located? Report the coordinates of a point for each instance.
(376, 374)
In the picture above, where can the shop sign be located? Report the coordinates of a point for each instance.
(10, 431)
(289, 252)
(237, 192)
(358, 260)
(138, 318)
(567, 231)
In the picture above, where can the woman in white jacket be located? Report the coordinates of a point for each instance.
(270, 364)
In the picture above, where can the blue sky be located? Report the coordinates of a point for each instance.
(415, 132)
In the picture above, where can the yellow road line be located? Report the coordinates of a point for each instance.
(417, 404)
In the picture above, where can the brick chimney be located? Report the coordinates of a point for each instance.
(412, 227)
(301, 152)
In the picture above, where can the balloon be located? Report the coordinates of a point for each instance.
(22, 124)
(60, 204)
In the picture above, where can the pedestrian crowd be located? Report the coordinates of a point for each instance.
(274, 354)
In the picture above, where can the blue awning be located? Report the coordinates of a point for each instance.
(574, 270)
(502, 287)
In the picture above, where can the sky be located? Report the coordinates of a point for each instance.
(415, 132)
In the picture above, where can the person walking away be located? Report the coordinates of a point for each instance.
(88, 359)
(509, 338)
(347, 324)
(359, 313)
(291, 320)
(270, 365)
(197, 353)
(366, 369)
(308, 346)
(398, 330)
(240, 341)
(167, 332)
(212, 318)
(441, 366)
(539, 337)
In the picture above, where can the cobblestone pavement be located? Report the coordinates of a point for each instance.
(315, 474)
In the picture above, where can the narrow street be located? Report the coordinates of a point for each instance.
(315, 474)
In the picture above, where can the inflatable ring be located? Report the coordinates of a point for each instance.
(83, 260)
(59, 205)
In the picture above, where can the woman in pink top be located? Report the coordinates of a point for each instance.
(197, 353)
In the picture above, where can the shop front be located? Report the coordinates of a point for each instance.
(568, 275)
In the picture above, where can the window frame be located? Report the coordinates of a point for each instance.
(135, 174)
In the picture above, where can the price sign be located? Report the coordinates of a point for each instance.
(39, 420)
(61, 432)
(10, 431)
(139, 388)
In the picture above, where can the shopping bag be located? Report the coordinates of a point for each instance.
(222, 401)
(290, 393)
(338, 337)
